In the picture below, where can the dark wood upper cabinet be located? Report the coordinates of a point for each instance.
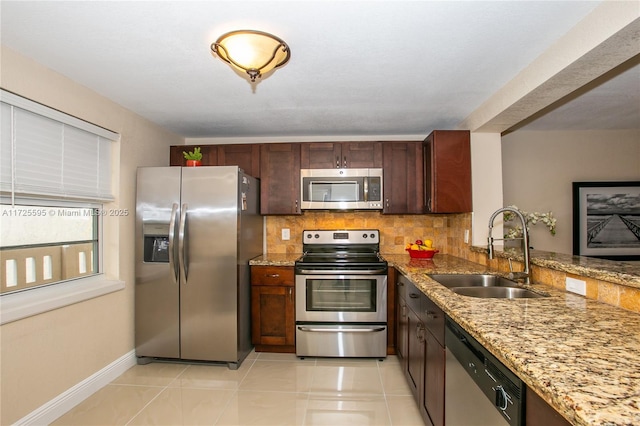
(280, 178)
(447, 180)
(339, 155)
(245, 156)
(403, 178)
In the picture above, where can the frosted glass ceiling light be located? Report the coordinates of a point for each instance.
(253, 52)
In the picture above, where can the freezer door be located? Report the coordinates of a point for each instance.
(157, 327)
(208, 253)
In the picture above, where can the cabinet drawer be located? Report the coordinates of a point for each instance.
(433, 318)
(272, 275)
(414, 298)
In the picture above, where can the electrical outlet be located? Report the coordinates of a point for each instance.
(466, 236)
(286, 234)
(576, 286)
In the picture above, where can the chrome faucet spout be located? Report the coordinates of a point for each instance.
(526, 274)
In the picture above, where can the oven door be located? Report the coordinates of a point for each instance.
(341, 298)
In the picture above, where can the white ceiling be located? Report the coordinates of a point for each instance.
(357, 68)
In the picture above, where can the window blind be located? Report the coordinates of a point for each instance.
(48, 153)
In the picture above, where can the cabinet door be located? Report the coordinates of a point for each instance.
(447, 172)
(361, 155)
(246, 156)
(415, 354)
(402, 333)
(341, 155)
(321, 155)
(273, 318)
(280, 178)
(403, 178)
(209, 154)
(432, 401)
(539, 413)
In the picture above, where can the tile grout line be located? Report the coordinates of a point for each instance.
(237, 389)
(384, 392)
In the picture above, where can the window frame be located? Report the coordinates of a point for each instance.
(33, 301)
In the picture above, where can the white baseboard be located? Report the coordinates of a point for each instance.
(64, 402)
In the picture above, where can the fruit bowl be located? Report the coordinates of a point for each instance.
(422, 254)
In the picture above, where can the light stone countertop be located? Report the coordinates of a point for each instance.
(580, 355)
(624, 273)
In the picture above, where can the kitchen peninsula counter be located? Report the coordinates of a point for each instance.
(580, 355)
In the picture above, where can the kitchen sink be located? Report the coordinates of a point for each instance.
(484, 286)
(472, 280)
(496, 292)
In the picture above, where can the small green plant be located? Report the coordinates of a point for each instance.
(193, 155)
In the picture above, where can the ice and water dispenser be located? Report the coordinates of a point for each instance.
(156, 242)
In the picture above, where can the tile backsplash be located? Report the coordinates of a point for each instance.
(446, 231)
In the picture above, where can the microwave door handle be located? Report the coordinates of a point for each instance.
(366, 189)
(173, 265)
(182, 246)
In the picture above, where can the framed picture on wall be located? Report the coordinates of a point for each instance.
(606, 220)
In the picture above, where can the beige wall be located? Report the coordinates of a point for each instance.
(538, 168)
(44, 355)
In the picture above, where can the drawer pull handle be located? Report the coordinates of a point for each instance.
(413, 295)
(272, 275)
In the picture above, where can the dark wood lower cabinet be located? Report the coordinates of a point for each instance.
(415, 354)
(273, 309)
(419, 346)
(432, 401)
(539, 413)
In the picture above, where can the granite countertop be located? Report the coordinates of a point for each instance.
(624, 273)
(275, 259)
(580, 355)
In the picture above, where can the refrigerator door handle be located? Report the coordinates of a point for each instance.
(173, 265)
(182, 247)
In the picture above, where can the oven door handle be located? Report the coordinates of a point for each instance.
(341, 330)
(380, 271)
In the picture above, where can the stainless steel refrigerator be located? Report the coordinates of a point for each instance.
(196, 229)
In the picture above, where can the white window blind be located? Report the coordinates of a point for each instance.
(48, 153)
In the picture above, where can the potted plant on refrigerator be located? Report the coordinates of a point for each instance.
(193, 157)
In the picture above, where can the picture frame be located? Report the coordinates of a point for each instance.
(606, 220)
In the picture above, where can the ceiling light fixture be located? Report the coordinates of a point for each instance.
(253, 52)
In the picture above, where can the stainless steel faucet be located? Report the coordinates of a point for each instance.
(526, 274)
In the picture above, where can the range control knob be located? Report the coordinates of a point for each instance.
(317, 236)
(373, 235)
(309, 236)
(364, 235)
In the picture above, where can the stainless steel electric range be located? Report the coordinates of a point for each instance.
(341, 295)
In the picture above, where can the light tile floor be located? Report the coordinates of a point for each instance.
(267, 389)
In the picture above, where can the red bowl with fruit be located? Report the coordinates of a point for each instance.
(422, 254)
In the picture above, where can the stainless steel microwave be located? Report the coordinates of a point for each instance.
(341, 189)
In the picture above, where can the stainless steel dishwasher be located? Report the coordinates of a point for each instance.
(479, 389)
